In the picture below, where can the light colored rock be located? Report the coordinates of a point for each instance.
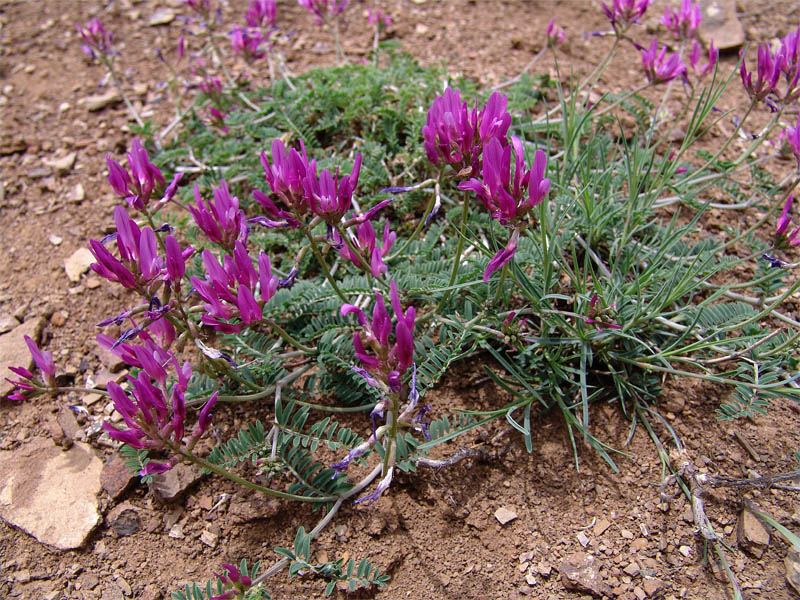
(163, 16)
(7, 322)
(14, 352)
(78, 263)
(751, 534)
(49, 493)
(99, 102)
(55, 240)
(583, 539)
(720, 24)
(62, 165)
(600, 526)
(77, 194)
(209, 538)
(505, 515)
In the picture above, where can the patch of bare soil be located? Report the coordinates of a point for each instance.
(436, 532)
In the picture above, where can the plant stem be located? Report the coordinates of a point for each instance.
(249, 484)
(457, 257)
(323, 265)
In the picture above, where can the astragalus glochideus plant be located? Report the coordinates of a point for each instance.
(330, 246)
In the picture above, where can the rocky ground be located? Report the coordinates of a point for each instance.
(512, 526)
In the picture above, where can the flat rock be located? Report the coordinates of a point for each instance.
(751, 534)
(7, 322)
(78, 263)
(600, 526)
(792, 565)
(14, 352)
(100, 101)
(579, 572)
(721, 25)
(63, 164)
(163, 16)
(51, 494)
(505, 515)
(173, 483)
(77, 194)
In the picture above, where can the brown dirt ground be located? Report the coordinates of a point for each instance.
(435, 532)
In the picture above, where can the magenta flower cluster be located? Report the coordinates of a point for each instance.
(230, 289)
(300, 191)
(683, 23)
(456, 136)
(138, 186)
(321, 8)
(221, 220)
(771, 65)
(623, 13)
(660, 67)
(384, 362)
(97, 39)
(27, 381)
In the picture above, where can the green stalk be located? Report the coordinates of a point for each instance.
(323, 265)
(457, 258)
(249, 484)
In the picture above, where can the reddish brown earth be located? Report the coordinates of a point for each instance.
(434, 532)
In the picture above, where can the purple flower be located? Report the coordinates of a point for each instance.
(366, 245)
(785, 219)
(382, 486)
(247, 42)
(321, 8)
(43, 360)
(261, 13)
(683, 23)
(285, 177)
(793, 139)
(623, 13)
(386, 362)
(138, 187)
(221, 220)
(506, 200)
(450, 132)
(694, 59)
(503, 257)
(204, 418)
(555, 34)
(494, 120)
(768, 73)
(330, 197)
(96, 38)
(660, 68)
(377, 18)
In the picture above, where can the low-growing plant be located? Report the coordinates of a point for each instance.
(353, 233)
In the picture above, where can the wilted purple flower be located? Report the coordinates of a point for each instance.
(595, 316)
(27, 382)
(96, 38)
(769, 71)
(261, 13)
(222, 220)
(660, 68)
(321, 8)
(330, 197)
(623, 13)
(386, 362)
(285, 177)
(683, 23)
(382, 486)
(555, 34)
(247, 43)
(694, 59)
(793, 139)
